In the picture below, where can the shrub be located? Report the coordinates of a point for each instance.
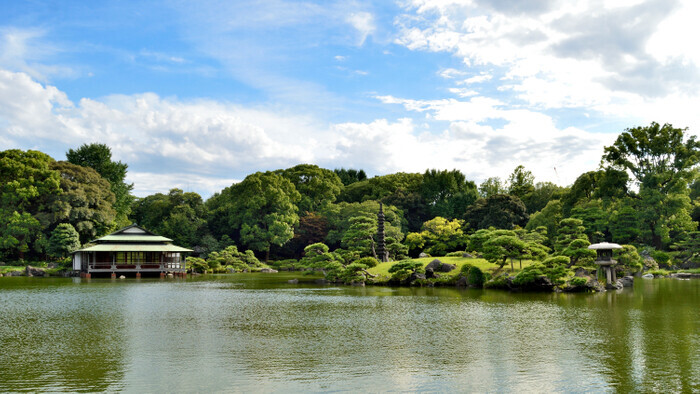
(498, 282)
(368, 261)
(353, 273)
(578, 281)
(475, 277)
(556, 260)
(196, 264)
(404, 269)
(454, 254)
(661, 257)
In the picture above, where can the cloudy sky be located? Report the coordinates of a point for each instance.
(198, 94)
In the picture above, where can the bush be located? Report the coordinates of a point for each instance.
(578, 281)
(403, 270)
(498, 282)
(475, 277)
(556, 260)
(368, 261)
(353, 273)
(454, 254)
(661, 257)
(195, 264)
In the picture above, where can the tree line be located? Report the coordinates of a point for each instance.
(646, 193)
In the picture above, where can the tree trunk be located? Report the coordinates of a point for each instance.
(374, 252)
(521, 264)
(267, 255)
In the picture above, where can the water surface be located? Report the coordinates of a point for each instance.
(256, 332)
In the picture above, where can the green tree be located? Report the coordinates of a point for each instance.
(440, 236)
(26, 181)
(492, 186)
(86, 202)
(361, 235)
(549, 217)
(501, 247)
(261, 210)
(521, 182)
(350, 175)
(339, 219)
(541, 195)
(317, 186)
(624, 225)
(447, 193)
(99, 158)
(499, 211)
(176, 215)
(628, 258)
(662, 162)
(63, 241)
(20, 233)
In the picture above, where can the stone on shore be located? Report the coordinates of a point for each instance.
(33, 271)
(648, 276)
(626, 281)
(293, 281)
(438, 266)
(268, 271)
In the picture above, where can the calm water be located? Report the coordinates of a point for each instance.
(257, 333)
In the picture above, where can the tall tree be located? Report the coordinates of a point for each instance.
(662, 162)
(350, 175)
(500, 211)
(491, 186)
(177, 215)
(261, 210)
(447, 193)
(64, 240)
(99, 158)
(26, 180)
(521, 182)
(317, 186)
(86, 202)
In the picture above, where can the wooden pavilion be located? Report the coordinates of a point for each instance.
(132, 250)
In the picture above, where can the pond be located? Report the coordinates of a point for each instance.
(256, 332)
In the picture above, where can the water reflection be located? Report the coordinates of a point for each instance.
(259, 333)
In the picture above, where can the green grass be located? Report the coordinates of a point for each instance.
(383, 268)
(9, 268)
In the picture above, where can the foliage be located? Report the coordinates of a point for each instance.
(438, 236)
(447, 193)
(85, 202)
(555, 273)
(350, 175)
(342, 216)
(689, 249)
(196, 264)
(662, 161)
(318, 256)
(500, 247)
(63, 241)
(99, 158)
(477, 240)
(26, 180)
(554, 261)
(578, 252)
(521, 182)
(628, 258)
(578, 281)
(549, 217)
(317, 186)
(492, 186)
(367, 261)
(623, 225)
(353, 273)
(20, 233)
(403, 270)
(177, 215)
(499, 211)
(395, 249)
(234, 259)
(569, 229)
(475, 276)
(260, 210)
(594, 219)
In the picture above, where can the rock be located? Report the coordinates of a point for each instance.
(33, 271)
(423, 255)
(360, 283)
(614, 286)
(438, 266)
(293, 281)
(626, 281)
(467, 255)
(648, 276)
(122, 277)
(581, 272)
(682, 275)
(171, 276)
(230, 270)
(15, 273)
(415, 276)
(321, 282)
(1, 275)
(461, 281)
(268, 271)
(429, 273)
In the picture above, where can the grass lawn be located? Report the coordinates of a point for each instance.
(383, 268)
(9, 268)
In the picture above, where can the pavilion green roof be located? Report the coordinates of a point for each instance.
(134, 248)
(133, 238)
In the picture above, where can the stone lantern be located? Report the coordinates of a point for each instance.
(605, 261)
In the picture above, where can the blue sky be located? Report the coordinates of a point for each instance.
(197, 95)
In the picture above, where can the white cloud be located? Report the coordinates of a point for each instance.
(205, 145)
(633, 57)
(25, 49)
(363, 22)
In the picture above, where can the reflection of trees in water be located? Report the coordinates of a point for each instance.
(644, 338)
(59, 338)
